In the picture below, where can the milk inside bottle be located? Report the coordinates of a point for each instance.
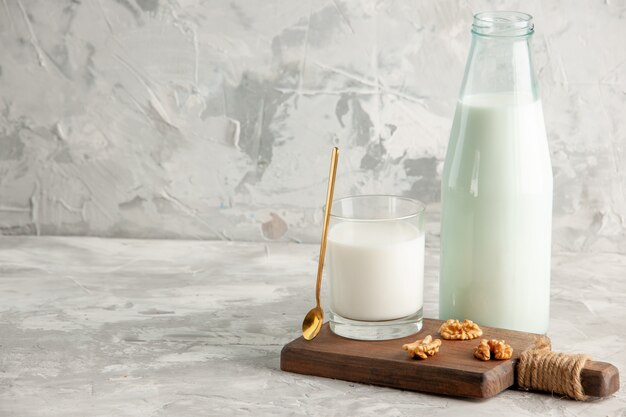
(497, 186)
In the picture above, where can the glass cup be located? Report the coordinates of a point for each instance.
(376, 267)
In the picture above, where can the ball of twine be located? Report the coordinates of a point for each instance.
(539, 368)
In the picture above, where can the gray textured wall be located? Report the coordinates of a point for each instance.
(214, 119)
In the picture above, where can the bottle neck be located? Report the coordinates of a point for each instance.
(503, 24)
(500, 60)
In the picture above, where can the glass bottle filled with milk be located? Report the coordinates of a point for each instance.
(497, 185)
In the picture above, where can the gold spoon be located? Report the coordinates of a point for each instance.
(315, 317)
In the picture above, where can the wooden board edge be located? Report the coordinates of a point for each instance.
(504, 375)
(477, 385)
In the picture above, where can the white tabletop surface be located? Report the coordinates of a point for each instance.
(109, 327)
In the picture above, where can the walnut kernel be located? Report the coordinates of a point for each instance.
(455, 330)
(423, 348)
(482, 351)
(500, 349)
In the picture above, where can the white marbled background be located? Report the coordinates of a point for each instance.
(214, 119)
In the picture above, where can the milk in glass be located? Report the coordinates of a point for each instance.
(376, 270)
(376, 267)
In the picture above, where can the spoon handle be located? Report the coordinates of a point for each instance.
(329, 205)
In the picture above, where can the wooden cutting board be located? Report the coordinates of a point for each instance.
(453, 371)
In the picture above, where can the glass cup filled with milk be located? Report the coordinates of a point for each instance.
(376, 267)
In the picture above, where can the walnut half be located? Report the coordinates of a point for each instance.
(499, 349)
(455, 330)
(423, 348)
(482, 351)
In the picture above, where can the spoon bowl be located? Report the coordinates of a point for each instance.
(312, 323)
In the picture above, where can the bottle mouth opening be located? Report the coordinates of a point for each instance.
(503, 24)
